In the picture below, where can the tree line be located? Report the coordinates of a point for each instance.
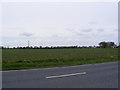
(101, 45)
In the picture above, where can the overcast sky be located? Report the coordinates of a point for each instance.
(59, 24)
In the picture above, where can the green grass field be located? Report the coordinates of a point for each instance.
(39, 58)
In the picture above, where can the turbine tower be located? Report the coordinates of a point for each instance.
(28, 43)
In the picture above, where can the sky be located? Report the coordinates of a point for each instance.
(58, 23)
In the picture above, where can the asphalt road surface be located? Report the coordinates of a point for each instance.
(103, 75)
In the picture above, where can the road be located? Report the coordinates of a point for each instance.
(103, 75)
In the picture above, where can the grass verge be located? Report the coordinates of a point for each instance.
(28, 64)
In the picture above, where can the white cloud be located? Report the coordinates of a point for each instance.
(59, 23)
(87, 30)
(92, 23)
(100, 30)
(60, 0)
(26, 34)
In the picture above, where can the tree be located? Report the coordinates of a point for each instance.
(111, 44)
(107, 44)
(102, 44)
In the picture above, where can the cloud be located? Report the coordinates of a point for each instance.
(87, 30)
(92, 23)
(26, 34)
(70, 29)
(100, 30)
(12, 28)
(116, 30)
(79, 34)
(55, 36)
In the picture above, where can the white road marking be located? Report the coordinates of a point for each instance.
(66, 75)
